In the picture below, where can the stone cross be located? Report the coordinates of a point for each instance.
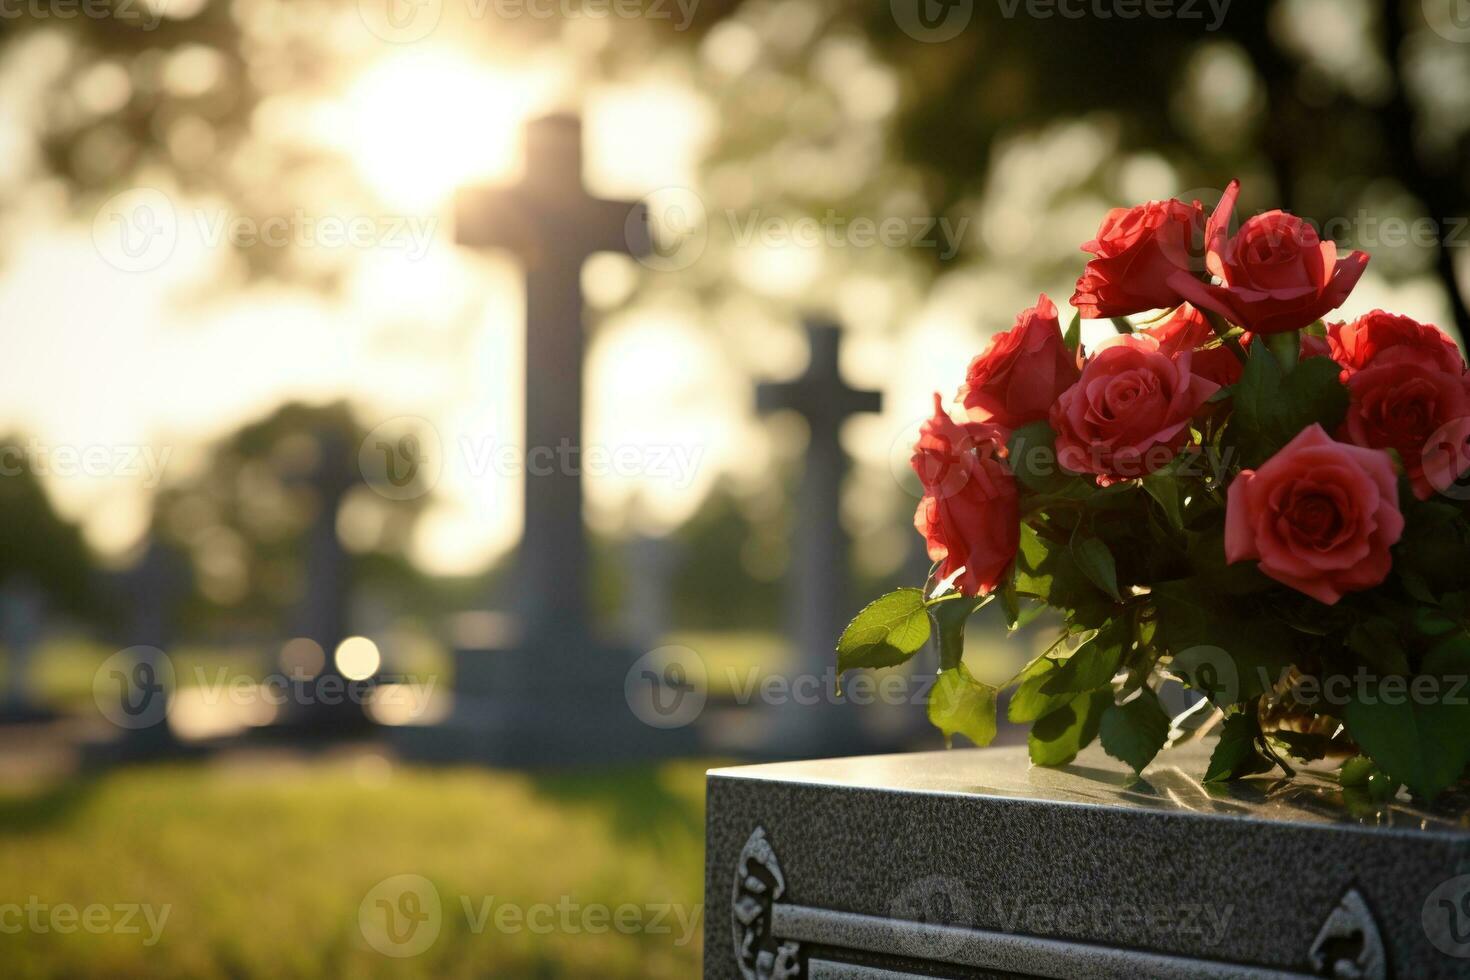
(321, 613)
(819, 572)
(552, 225)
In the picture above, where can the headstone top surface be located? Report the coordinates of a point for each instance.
(1172, 785)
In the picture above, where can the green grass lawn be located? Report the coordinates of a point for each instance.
(265, 865)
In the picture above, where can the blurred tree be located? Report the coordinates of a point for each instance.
(37, 545)
(245, 518)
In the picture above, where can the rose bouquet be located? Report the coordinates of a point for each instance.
(1231, 494)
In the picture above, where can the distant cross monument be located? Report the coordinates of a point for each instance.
(553, 225)
(321, 613)
(556, 693)
(818, 575)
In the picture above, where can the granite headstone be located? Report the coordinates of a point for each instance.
(973, 863)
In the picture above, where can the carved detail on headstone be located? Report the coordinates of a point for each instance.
(759, 884)
(1348, 945)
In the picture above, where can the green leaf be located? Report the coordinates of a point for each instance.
(1096, 562)
(1010, 602)
(1421, 741)
(1030, 702)
(960, 704)
(1271, 407)
(1057, 737)
(1047, 570)
(888, 631)
(1093, 664)
(951, 615)
(1237, 754)
(1136, 731)
(1164, 488)
(1122, 324)
(1073, 337)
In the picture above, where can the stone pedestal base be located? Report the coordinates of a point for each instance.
(546, 707)
(972, 863)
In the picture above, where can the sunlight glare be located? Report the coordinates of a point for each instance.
(420, 125)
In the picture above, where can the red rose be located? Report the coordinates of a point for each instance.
(1129, 413)
(1137, 250)
(1018, 376)
(1188, 330)
(1399, 403)
(1275, 274)
(1320, 516)
(969, 515)
(1377, 337)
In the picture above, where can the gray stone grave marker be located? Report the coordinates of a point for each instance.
(973, 863)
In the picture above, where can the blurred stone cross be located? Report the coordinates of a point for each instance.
(552, 224)
(818, 576)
